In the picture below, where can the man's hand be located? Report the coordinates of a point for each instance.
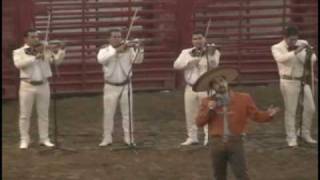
(300, 48)
(273, 110)
(40, 56)
(212, 104)
(62, 46)
(121, 48)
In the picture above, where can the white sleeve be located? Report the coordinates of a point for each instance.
(21, 59)
(140, 55)
(302, 54)
(58, 57)
(314, 57)
(105, 55)
(279, 56)
(214, 59)
(182, 61)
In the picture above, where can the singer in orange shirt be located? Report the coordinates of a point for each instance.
(227, 114)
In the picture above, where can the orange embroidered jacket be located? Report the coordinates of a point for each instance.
(241, 108)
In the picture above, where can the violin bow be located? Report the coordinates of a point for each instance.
(207, 28)
(47, 28)
(131, 24)
(47, 38)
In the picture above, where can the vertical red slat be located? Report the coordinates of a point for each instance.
(185, 26)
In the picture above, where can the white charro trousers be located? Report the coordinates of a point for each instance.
(192, 101)
(290, 90)
(28, 96)
(114, 95)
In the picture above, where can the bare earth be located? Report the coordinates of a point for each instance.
(159, 129)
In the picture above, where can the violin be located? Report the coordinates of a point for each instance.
(209, 48)
(136, 43)
(34, 49)
(292, 48)
(30, 51)
(55, 45)
(197, 52)
(37, 48)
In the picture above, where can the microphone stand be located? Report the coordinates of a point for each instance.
(304, 82)
(131, 146)
(301, 108)
(57, 144)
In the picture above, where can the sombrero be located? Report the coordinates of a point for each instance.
(204, 83)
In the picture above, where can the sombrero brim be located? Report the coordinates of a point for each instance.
(204, 83)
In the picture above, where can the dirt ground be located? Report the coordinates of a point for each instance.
(159, 129)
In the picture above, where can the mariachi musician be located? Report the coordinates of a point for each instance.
(117, 58)
(33, 60)
(194, 62)
(292, 55)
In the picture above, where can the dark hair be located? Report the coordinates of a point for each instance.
(291, 30)
(196, 32)
(26, 33)
(113, 30)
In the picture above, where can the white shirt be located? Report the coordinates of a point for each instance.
(288, 63)
(191, 72)
(37, 74)
(117, 66)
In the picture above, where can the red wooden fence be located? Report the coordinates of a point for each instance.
(17, 16)
(245, 29)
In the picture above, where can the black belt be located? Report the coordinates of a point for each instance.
(286, 77)
(117, 84)
(34, 83)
